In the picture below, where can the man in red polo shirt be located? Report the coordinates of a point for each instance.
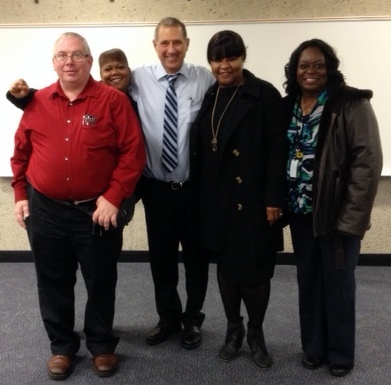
(79, 153)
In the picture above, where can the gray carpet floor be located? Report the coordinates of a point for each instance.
(24, 347)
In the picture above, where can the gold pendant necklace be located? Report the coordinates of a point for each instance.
(215, 132)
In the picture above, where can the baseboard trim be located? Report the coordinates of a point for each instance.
(283, 258)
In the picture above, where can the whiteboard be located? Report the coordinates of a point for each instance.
(362, 45)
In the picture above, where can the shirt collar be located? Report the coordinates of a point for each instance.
(161, 73)
(91, 89)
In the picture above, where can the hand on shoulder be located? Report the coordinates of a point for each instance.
(19, 88)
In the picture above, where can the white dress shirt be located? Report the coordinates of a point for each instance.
(149, 86)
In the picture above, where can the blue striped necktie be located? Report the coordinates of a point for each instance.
(170, 154)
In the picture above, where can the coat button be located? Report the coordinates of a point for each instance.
(238, 179)
(236, 152)
(240, 207)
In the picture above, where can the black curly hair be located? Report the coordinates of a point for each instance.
(334, 76)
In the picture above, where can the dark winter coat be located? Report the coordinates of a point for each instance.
(250, 176)
(348, 162)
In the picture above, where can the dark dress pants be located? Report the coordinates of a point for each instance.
(326, 293)
(61, 238)
(167, 213)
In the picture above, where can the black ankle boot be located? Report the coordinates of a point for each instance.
(256, 342)
(233, 341)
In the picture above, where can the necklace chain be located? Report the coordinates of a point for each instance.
(305, 110)
(215, 132)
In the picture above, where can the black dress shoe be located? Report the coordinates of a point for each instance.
(339, 370)
(161, 332)
(311, 362)
(191, 337)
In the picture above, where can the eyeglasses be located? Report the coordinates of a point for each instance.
(62, 57)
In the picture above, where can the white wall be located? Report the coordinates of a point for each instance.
(360, 45)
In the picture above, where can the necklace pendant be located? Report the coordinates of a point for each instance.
(214, 144)
(215, 131)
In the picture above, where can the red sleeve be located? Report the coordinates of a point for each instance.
(131, 158)
(20, 160)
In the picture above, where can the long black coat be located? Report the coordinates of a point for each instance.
(250, 176)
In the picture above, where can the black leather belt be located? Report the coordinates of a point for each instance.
(178, 185)
(171, 185)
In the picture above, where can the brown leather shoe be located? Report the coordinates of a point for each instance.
(105, 364)
(59, 367)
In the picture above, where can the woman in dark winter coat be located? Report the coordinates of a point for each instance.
(334, 166)
(238, 165)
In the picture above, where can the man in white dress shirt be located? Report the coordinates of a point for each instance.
(166, 194)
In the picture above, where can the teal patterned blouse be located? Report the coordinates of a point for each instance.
(302, 137)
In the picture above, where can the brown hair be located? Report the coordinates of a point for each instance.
(170, 22)
(114, 54)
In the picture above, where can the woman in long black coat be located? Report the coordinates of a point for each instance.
(238, 162)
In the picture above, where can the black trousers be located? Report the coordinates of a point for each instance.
(167, 213)
(327, 294)
(62, 238)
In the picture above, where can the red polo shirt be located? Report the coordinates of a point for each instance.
(78, 150)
